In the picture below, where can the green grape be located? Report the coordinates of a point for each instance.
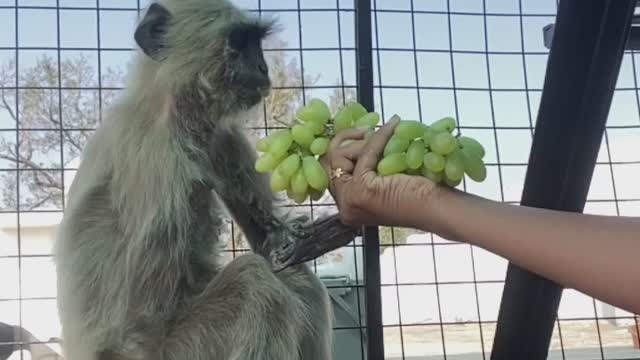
(315, 111)
(452, 183)
(266, 163)
(368, 121)
(428, 135)
(319, 146)
(314, 173)
(471, 145)
(443, 143)
(321, 106)
(454, 167)
(473, 166)
(434, 162)
(315, 194)
(415, 155)
(343, 120)
(409, 129)
(278, 182)
(280, 144)
(262, 145)
(305, 152)
(298, 198)
(447, 124)
(299, 184)
(289, 166)
(316, 127)
(435, 176)
(395, 145)
(410, 171)
(303, 135)
(356, 109)
(392, 164)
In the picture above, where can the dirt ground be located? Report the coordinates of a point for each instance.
(421, 341)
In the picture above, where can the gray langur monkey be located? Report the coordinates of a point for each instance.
(137, 252)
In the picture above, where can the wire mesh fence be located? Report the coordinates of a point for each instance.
(482, 61)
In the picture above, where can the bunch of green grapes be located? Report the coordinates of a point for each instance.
(433, 152)
(291, 155)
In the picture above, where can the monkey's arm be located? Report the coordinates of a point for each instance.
(247, 195)
(244, 192)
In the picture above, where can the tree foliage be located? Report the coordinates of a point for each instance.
(52, 126)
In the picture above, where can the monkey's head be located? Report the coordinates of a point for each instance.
(207, 48)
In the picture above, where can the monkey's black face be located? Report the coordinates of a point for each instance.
(229, 59)
(247, 72)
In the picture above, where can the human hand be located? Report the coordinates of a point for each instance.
(365, 198)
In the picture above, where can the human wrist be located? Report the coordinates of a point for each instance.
(421, 205)
(438, 210)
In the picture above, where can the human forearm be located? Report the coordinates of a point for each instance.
(597, 255)
(594, 254)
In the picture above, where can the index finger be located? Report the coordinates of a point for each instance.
(341, 137)
(375, 146)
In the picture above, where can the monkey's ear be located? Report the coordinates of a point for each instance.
(150, 32)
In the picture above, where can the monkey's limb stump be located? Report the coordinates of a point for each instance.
(327, 234)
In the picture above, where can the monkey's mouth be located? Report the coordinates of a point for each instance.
(264, 91)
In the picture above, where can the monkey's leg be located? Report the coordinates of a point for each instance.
(246, 312)
(317, 341)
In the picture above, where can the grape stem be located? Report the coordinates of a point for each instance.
(283, 123)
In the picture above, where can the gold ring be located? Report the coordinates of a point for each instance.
(335, 174)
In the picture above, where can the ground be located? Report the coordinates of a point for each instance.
(579, 339)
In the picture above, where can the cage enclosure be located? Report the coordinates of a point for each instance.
(518, 75)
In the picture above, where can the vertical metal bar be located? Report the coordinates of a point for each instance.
(586, 53)
(19, 210)
(353, 245)
(364, 74)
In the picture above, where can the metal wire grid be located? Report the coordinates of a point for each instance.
(434, 47)
(505, 175)
(21, 11)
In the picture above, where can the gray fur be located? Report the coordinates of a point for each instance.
(137, 253)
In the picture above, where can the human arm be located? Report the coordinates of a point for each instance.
(597, 255)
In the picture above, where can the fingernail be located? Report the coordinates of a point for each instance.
(394, 120)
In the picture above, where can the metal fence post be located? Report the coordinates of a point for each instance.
(586, 53)
(371, 240)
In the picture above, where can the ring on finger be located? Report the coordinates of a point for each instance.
(336, 173)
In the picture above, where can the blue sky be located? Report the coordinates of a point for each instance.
(473, 104)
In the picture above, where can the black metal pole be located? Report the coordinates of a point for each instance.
(582, 70)
(373, 300)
